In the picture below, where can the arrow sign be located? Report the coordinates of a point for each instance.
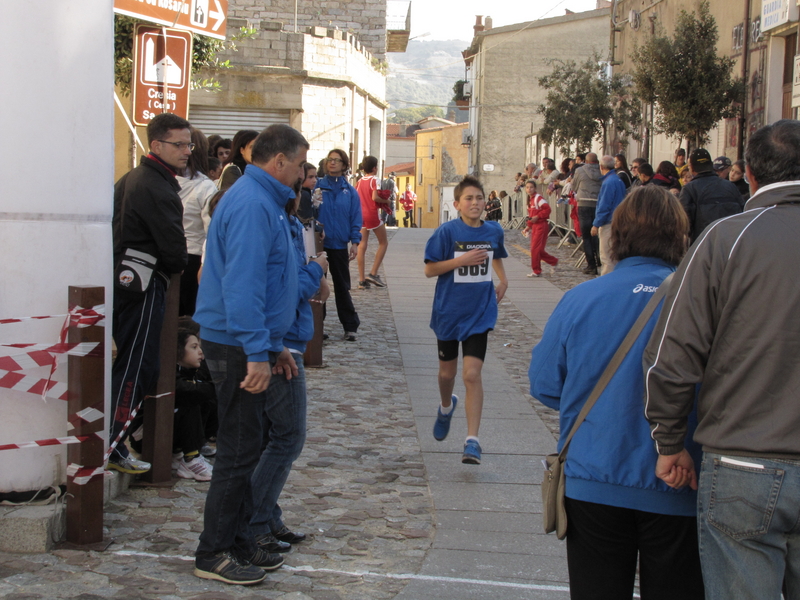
(219, 15)
(206, 17)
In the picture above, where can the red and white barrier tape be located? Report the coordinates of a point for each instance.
(81, 475)
(131, 416)
(70, 439)
(46, 388)
(84, 317)
(18, 357)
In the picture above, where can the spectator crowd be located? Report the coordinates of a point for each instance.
(695, 487)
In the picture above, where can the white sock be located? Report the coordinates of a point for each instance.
(446, 410)
(472, 437)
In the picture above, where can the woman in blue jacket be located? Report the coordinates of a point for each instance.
(618, 512)
(340, 215)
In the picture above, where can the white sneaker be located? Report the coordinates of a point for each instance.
(177, 458)
(550, 269)
(197, 469)
(208, 450)
(129, 464)
(532, 274)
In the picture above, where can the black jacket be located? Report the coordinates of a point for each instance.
(707, 198)
(153, 215)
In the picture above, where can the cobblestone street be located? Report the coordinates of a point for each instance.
(361, 488)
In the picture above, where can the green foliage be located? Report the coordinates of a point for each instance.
(458, 90)
(412, 115)
(584, 102)
(691, 86)
(204, 53)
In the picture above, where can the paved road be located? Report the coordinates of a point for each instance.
(392, 513)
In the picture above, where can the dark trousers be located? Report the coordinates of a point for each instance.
(604, 543)
(339, 267)
(189, 286)
(188, 433)
(591, 243)
(136, 328)
(229, 502)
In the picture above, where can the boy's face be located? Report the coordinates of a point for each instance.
(471, 203)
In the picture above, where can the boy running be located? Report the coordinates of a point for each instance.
(465, 305)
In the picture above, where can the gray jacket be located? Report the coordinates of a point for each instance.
(730, 323)
(586, 184)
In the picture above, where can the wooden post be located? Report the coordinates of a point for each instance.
(86, 391)
(313, 353)
(159, 412)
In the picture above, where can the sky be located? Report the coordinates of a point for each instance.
(453, 20)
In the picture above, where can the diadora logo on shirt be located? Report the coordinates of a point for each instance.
(645, 288)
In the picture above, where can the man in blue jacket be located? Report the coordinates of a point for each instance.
(612, 192)
(245, 306)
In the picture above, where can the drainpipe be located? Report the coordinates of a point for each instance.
(745, 71)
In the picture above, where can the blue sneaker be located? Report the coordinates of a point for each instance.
(442, 426)
(472, 453)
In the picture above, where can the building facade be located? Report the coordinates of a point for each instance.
(442, 161)
(760, 36)
(504, 65)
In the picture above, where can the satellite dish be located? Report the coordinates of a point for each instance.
(634, 19)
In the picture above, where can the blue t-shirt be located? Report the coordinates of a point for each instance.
(464, 303)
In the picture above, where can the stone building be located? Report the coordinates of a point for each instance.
(761, 37)
(442, 161)
(321, 70)
(503, 68)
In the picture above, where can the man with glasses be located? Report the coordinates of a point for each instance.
(635, 164)
(149, 246)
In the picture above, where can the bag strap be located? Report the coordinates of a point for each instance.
(616, 360)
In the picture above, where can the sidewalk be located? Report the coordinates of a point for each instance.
(392, 513)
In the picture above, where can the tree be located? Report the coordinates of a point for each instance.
(204, 53)
(691, 87)
(412, 115)
(585, 102)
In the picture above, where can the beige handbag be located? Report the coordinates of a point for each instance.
(554, 514)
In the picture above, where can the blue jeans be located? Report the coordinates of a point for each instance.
(229, 503)
(283, 439)
(749, 527)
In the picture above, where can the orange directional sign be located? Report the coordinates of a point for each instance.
(206, 17)
(161, 73)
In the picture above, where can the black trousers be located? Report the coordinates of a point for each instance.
(136, 327)
(339, 267)
(604, 543)
(591, 243)
(189, 286)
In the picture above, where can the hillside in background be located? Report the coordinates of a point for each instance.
(424, 75)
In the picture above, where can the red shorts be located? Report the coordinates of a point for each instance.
(370, 218)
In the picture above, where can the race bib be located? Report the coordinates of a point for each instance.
(473, 273)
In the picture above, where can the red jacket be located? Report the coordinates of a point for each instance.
(538, 207)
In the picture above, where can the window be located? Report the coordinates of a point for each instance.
(419, 172)
(430, 196)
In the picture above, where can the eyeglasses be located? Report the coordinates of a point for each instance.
(179, 145)
(334, 160)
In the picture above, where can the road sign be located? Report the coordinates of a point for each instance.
(206, 17)
(161, 73)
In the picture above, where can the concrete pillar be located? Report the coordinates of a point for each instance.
(57, 157)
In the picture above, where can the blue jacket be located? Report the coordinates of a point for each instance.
(340, 212)
(248, 292)
(612, 192)
(612, 458)
(308, 282)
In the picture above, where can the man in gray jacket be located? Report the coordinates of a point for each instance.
(730, 324)
(586, 185)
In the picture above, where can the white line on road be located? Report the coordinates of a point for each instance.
(408, 576)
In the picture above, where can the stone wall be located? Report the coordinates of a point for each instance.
(365, 19)
(325, 77)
